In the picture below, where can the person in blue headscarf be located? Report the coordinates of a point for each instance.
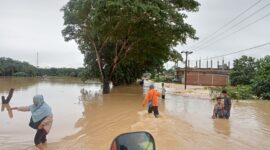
(41, 119)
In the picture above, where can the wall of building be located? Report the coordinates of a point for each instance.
(207, 78)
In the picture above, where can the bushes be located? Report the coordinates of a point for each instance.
(261, 82)
(242, 92)
(254, 74)
(163, 79)
(261, 87)
(243, 71)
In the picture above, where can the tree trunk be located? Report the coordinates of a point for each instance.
(106, 86)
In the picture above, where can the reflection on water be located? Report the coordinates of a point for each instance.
(85, 119)
(8, 109)
(20, 83)
(61, 94)
(222, 126)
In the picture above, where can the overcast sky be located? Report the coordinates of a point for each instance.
(31, 26)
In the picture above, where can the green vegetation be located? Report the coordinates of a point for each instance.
(175, 57)
(243, 92)
(243, 71)
(250, 79)
(261, 82)
(10, 67)
(60, 72)
(163, 79)
(122, 39)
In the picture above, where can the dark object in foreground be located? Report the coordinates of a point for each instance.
(7, 100)
(8, 108)
(134, 141)
(35, 125)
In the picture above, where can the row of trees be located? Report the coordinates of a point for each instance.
(72, 72)
(122, 39)
(10, 67)
(254, 73)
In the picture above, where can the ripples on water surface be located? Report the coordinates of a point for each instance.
(185, 123)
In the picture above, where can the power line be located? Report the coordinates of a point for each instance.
(226, 36)
(233, 26)
(228, 23)
(257, 46)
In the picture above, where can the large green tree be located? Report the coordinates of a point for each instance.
(110, 32)
(243, 71)
(261, 82)
(175, 57)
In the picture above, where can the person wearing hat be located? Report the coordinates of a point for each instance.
(41, 119)
(152, 99)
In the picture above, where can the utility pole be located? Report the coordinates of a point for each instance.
(37, 65)
(187, 53)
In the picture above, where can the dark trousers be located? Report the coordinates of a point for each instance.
(227, 114)
(163, 96)
(155, 109)
(40, 136)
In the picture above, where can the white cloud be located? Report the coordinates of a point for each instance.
(29, 26)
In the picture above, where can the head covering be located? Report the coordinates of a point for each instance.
(39, 109)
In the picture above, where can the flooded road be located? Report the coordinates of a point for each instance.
(83, 119)
(61, 94)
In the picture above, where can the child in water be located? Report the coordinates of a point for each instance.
(41, 119)
(163, 91)
(218, 109)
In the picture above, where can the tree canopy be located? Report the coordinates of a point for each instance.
(134, 34)
(175, 57)
(10, 67)
(255, 74)
(261, 82)
(243, 71)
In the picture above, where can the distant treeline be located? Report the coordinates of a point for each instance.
(10, 67)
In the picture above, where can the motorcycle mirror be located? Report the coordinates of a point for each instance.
(134, 141)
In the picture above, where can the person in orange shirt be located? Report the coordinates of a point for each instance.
(152, 99)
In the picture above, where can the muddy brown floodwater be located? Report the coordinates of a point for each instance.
(84, 119)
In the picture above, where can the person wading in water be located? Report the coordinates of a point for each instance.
(163, 91)
(218, 109)
(227, 104)
(152, 99)
(41, 119)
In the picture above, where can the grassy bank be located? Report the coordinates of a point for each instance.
(243, 92)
